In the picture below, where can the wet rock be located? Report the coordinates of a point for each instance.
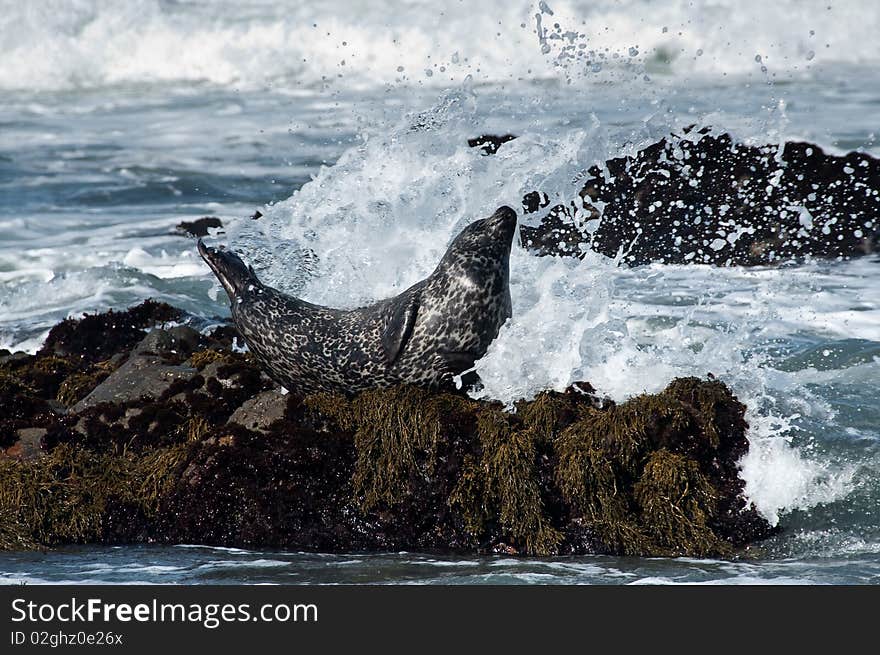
(21, 408)
(176, 343)
(702, 198)
(224, 337)
(201, 227)
(157, 342)
(185, 339)
(489, 143)
(7, 357)
(228, 381)
(261, 411)
(656, 475)
(219, 495)
(142, 376)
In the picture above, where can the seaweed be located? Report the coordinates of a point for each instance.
(503, 481)
(96, 337)
(68, 495)
(640, 476)
(78, 385)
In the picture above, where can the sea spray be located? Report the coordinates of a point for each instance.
(336, 45)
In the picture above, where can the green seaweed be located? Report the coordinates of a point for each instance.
(618, 471)
(396, 432)
(65, 496)
(510, 481)
(78, 385)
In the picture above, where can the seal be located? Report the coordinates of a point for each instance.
(431, 332)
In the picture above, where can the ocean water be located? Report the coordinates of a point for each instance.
(346, 124)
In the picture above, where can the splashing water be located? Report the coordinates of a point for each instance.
(59, 44)
(380, 219)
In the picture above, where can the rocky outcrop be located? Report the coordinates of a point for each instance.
(200, 227)
(702, 198)
(218, 455)
(149, 371)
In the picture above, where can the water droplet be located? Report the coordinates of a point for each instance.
(810, 55)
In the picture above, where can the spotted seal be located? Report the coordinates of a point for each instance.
(431, 332)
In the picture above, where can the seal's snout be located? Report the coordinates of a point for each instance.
(504, 213)
(228, 267)
(503, 222)
(204, 250)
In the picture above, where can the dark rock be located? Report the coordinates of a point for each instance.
(442, 472)
(13, 358)
(224, 336)
(21, 408)
(210, 452)
(261, 411)
(200, 227)
(228, 381)
(56, 406)
(142, 376)
(490, 143)
(186, 339)
(157, 342)
(220, 495)
(702, 198)
(177, 342)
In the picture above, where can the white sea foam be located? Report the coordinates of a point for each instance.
(55, 44)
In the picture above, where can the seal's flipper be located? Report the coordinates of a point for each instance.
(233, 274)
(399, 326)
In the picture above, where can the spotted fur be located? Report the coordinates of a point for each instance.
(431, 332)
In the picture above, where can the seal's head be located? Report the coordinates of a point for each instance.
(233, 274)
(490, 233)
(487, 238)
